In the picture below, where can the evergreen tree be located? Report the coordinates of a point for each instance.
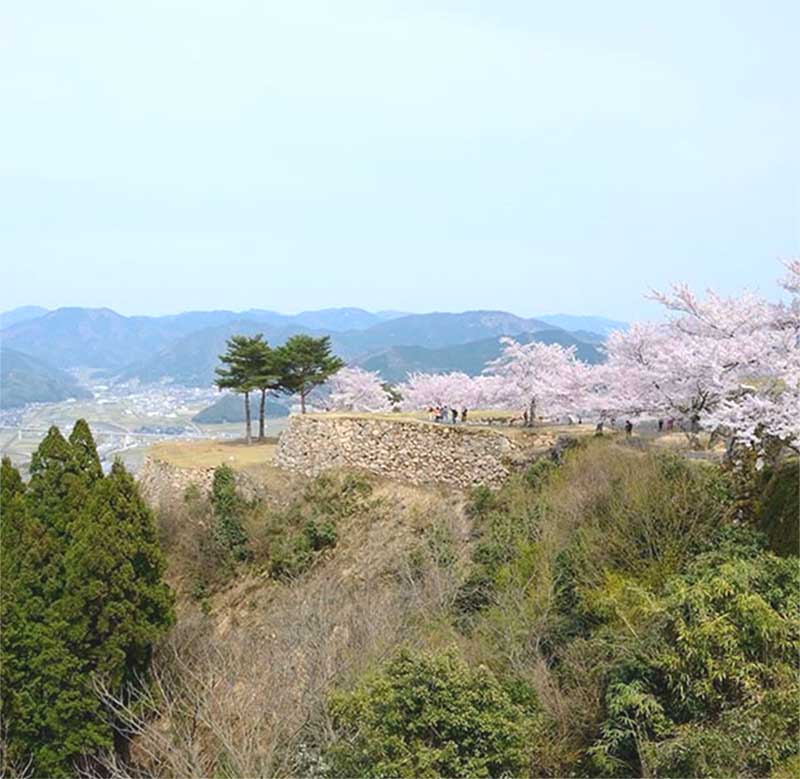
(85, 451)
(267, 375)
(11, 483)
(116, 601)
(306, 363)
(82, 600)
(58, 487)
(49, 709)
(242, 363)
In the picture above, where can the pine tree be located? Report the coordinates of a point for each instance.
(306, 363)
(267, 375)
(242, 362)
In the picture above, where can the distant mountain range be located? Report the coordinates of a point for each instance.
(183, 348)
(396, 362)
(591, 324)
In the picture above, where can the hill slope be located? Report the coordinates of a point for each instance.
(191, 360)
(25, 379)
(396, 362)
(436, 330)
(94, 337)
(230, 408)
(21, 314)
(594, 324)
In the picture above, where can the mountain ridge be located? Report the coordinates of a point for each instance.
(184, 347)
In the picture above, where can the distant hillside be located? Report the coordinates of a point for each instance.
(439, 329)
(21, 314)
(96, 337)
(184, 347)
(594, 324)
(396, 362)
(25, 379)
(337, 319)
(230, 408)
(191, 360)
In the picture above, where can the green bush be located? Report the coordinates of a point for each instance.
(320, 535)
(296, 535)
(481, 501)
(429, 715)
(779, 508)
(228, 513)
(708, 684)
(337, 495)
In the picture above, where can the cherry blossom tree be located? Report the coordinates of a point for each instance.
(543, 379)
(426, 390)
(354, 389)
(728, 364)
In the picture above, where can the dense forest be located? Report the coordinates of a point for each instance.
(611, 611)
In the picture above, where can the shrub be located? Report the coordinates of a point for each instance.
(320, 535)
(708, 684)
(778, 513)
(228, 513)
(481, 501)
(429, 715)
(337, 496)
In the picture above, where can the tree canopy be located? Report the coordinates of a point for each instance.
(82, 601)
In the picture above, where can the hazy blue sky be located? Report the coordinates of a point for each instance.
(160, 155)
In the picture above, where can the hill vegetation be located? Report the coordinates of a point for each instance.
(614, 612)
(25, 379)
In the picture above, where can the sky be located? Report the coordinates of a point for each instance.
(535, 157)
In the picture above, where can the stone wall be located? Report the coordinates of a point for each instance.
(161, 482)
(414, 451)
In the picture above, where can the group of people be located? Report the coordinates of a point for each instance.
(663, 424)
(446, 414)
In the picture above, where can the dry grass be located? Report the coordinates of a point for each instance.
(209, 453)
(241, 691)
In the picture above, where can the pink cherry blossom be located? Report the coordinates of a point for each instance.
(354, 389)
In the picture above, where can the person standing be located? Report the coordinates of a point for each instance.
(660, 425)
(463, 416)
(628, 428)
(454, 412)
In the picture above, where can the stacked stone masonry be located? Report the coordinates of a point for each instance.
(417, 452)
(162, 482)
